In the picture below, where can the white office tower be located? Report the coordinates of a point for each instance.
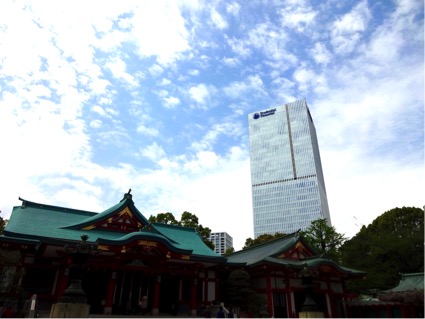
(288, 188)
(222, 241)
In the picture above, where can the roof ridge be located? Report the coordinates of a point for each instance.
(268, 242)
(62, 208)
(186, 228)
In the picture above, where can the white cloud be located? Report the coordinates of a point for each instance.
(297, 16)
(154, 152)
(253, 84)
(202, 94)
(95, 123)
(171, 102)
(145, 130)
(118, 68)
(347, 31)
(240, 47)
(320, 54)
(156, 70)
(214, 188)
(165, 81)
(199, 93)
(170, 38)
(377, 185)
(233, 8)
(205, 160)
(99, 110)
(194, 72)
(227, 128)
(218, 20)
(232, 62)
(308, 80)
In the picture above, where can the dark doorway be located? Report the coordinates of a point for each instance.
(169, 294)
(279, 305)
(94, 285)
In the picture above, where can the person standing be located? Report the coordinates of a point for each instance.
(220, 313)
(230, 313)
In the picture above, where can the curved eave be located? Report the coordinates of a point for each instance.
(24, 241)
(311, 262)
(215, 259)
(236, 264)
(278, 261)
(124, 240)
(39, 239)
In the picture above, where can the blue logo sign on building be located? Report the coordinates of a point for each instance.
(263, 114)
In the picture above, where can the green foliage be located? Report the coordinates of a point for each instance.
(9, 257)
(238, 289)
(229, 251)
(391, 244)
(189, 220)
(257, 306)
(164, 218)
(249, 242)
(186, 220)
(324, 238)
(10, 275)
(240, 294)
(2, 224)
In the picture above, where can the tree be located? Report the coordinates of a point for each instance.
(238, 288)
(164, 218)
(229, 251)
(249, 242)
(186, 220)
(391, 244)
(190, 220)
(240, 294)
(2, 224)
(324, 238)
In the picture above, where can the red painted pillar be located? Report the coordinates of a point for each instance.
(288, 296)
(110, 294)
(290, 304)
(217, 285)
(193, 297)
(155, 302)
(62, 283)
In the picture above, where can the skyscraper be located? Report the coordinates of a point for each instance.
(288, 188)
(222, 241)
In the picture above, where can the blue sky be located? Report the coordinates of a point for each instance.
(98, 97)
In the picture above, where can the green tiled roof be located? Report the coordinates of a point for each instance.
(186, 238)
(267, 253)
(47, 223)
(37, 221)
(312, 262)
(409, 282)
(126, 201)
(258, 253)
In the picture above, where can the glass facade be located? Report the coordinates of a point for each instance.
(288, 188)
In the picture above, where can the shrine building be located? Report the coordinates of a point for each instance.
(168, 266)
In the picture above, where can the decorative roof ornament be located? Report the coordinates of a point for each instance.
(128, 195)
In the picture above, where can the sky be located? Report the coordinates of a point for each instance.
(97, 97)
